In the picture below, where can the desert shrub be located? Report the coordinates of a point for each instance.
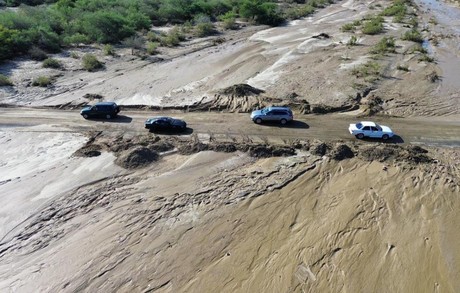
(8, 40)
(418, 48)
(134, 42)
(367, 69)
(36, 53)
(108, 50)
(413, 22)
(298, 12)
(261, 12)
(373, 26)
(433, 76)
(426, 58)
(348, 27)
(42, 81)
(152, 48)
(353, 41)
(172, 38)
(395, 9)
(402, 68)
(413, 35)
(153, 37)
(52, 63)
(74, 55)
(385, 45)
(105, 27)
(4, 80)
(204, 29)
(91, 63)
(76, 39)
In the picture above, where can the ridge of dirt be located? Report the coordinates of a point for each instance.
(141, 150)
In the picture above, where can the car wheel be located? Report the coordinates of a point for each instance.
(385, 136)
(283, 121)
(258, 120)
(108, 116)
(360, 136)
(85, 116)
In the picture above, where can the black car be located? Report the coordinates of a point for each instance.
(107, 110)
(165, 124)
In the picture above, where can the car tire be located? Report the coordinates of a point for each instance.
(258, 121)
(283, 121)
(85, 116)
(385, 137)
(108, 116)
(360, 136)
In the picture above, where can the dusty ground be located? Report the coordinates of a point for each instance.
(230, 206)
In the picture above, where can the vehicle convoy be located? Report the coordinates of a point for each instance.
(165, 124)
(370, 129)
(107, 110)
(282, 115)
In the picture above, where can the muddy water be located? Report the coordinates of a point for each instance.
(447, 23)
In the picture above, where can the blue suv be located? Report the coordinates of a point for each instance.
(282, 115)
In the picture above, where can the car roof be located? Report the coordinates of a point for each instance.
(368, 123)
(105, 104)
(160, 118)
(279, 108)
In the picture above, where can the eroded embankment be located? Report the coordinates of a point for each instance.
(227, 222)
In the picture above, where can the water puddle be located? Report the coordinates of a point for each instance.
(445, 25)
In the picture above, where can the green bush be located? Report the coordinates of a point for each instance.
(74, 55)
(398, 8)
(367, 69)
(108, 50)
(52, 63)
(204, 29)
(413, 35)
(91, 63)
(373, 26)
(8, 40)
(172, 38)
(229, 20)
(348, 27)
(299, 11)
(261, 12)
(5, 81)
(42, 81)
(152, 48)
(353, 41)
(36, 53)
(385, 45)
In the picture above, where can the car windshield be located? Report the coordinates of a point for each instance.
(264, 111)
(378, 127)
(359, 125)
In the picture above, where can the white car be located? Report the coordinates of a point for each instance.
(370, 129)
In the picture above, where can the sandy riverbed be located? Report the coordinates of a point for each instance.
(245, 217)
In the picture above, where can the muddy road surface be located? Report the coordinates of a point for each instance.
(439, 131)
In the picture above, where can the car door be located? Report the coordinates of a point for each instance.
(277, 115)
(268, 116)
(367, 131)
(375, 132)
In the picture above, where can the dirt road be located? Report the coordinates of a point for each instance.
(440, 131)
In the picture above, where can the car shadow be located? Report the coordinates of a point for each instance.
(292, 124)
(118, 119)
(394, 139)
(187, 131)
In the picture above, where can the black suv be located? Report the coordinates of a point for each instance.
(107, 110)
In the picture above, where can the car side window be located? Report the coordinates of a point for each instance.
(366, 128)
(374, 128)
